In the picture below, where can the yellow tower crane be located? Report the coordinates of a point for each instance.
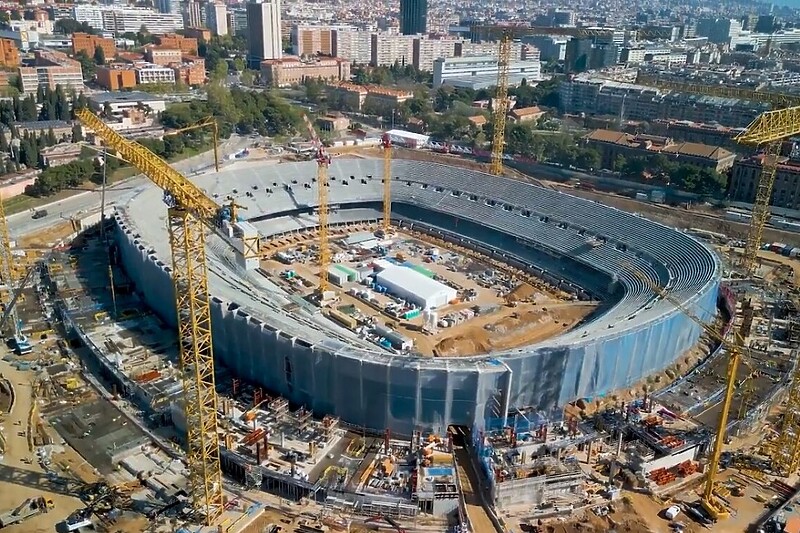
(190, 212)
(770, 144)
(323, 162)
(505, 35)
(203, 123)
(711, 502)
(7, 272)
(386, 145)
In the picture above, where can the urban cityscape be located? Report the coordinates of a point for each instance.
(410, 266)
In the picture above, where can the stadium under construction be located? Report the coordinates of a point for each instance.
(268, 336)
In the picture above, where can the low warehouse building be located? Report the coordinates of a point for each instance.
(414, 287)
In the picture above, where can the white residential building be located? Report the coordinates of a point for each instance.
(91, 15)
(121, 20)
(353, 45)
(481, 72)
(391, 48)
(217, 19)
(150, 73)
(426, 51)
(264, 31)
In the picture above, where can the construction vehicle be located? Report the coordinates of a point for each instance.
(15, 339)
(770, 144)
(27, 509)
(505, 34)
(190, 213)
(713, 500)
(203, 123)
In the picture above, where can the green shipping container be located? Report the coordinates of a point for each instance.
(351, 274)
(424, 271)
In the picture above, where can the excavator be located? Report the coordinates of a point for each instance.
(27, 509)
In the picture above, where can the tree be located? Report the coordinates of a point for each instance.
(107, 109)
(51, 137)
(99, 55)
(239, 64)
(619, 163)
(314, 90)
(87, 65)
(70, 26)
(3, 142)
(220, 71)
(18, 84)
(77, 133)
(28, 109)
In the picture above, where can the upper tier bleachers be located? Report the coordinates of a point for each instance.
(565, 224)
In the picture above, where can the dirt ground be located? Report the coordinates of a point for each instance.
(509, 328)
(46, 237)
(21, 476)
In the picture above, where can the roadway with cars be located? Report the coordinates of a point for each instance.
(89, 202)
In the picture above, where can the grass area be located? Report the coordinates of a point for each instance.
(23, 202)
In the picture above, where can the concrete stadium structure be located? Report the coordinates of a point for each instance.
(284, 344)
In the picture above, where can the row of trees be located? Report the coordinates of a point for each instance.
(660, 169)
(238, 110)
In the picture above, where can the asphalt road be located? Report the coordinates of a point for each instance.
(89, 202)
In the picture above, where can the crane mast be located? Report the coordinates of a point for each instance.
(204, 123)
(505, 35)
(7, 272)
(709, 501)
(189, 212)
(500, 109)
(386, 144)
(770, 149)
(323, 160)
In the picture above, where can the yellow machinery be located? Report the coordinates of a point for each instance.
(768, 135)
(505, 35)
(323, 162)
(190, 211)
(710, 501)
(6, 267)
(204, 123)
(386, 144)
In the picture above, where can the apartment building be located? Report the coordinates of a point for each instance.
(382, 100)
(348, 96)
(149, 73)
(353, 45)
(612, 144)
(161, 55)
(786, 189)
(552, 48)
(191, 71)
(292, 70)
(127, 19)
(9, 53)
(237, 22)
(311, 40)
(191, 14)
(187, 45)
(425, 51)
(116, 77)
(217, 18)
(51, 69)
(120, 102)
(481, 72)
(685, 130)
(637, 102)
(87, 43)
(390, 48)
(264, 31)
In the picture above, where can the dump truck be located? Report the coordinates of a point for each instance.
(28, 508)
